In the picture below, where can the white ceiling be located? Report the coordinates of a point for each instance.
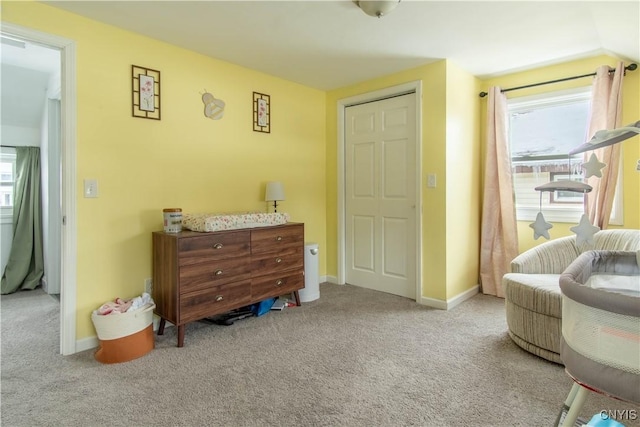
(330, 44)
(28, 71)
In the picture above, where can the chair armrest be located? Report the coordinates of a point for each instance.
(551, 257)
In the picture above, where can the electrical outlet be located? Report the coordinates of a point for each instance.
(148, 285)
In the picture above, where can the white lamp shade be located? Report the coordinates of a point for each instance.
(275, 191)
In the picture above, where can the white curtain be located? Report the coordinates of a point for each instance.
(606, 113)
(499, 240)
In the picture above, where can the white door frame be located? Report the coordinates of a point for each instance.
(67, 229)
(415, 86)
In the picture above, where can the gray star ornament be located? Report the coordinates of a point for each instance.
(584, 231)
(593, 167)
(540, 227)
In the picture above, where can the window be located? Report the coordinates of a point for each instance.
(561, 196)
(7, 179)
(542, 131)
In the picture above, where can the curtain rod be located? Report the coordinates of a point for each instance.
(629, 67)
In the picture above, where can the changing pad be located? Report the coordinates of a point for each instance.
(208, 222)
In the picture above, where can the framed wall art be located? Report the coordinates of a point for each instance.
(261, 112)
(145, 91)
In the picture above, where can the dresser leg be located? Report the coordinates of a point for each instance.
(296, 295)
(161, 326)
(181, 336)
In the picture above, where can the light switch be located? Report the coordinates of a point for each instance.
(431, 180)
(90, 188)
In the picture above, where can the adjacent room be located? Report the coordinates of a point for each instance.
(325, 212)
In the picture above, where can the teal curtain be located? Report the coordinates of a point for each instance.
(25, 266)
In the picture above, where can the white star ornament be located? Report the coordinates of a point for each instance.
(540, 227)
(584, 231)
(593, 167)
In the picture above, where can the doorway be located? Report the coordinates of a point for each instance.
(379, 190)
(61, 172)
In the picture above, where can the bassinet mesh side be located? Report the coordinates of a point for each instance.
(611, 339)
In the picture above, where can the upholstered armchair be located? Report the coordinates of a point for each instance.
(533, 301)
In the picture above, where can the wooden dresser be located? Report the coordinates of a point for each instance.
(198, 275)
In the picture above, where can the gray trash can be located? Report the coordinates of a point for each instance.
(311, 291)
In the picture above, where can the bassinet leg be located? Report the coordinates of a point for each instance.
(567, 404)
(575, 400)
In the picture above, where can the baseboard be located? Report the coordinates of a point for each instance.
(462, 297)
(451, 302)
(429, 302)
(86, 344)
(156, 323)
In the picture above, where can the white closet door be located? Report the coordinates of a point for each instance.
(380, 180)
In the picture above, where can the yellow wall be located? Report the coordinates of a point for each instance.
(449, 128)
(462, 185)
(630, 148)
(185, 160)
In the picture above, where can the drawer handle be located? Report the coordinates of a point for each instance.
(219, 298)
(278, 260)
(279, 238)
(217, 246)
(218, 272)
(279, 282)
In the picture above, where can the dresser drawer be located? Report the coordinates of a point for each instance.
(215, 300)
(272, 285)
(276, 238)
(213, 273)
(214, 246)
(272, 262)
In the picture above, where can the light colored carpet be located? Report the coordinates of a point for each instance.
(354, 357)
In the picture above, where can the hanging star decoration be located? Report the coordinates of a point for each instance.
(540, 227)
(593, 167)
(584, 231)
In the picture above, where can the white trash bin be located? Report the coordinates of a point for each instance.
(311, 291)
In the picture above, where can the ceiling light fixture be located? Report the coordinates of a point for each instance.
(377, 8)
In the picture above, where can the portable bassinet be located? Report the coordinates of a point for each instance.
(600, 345)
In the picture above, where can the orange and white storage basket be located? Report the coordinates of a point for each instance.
(125, 336)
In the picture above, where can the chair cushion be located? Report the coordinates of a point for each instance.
(536, 292)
